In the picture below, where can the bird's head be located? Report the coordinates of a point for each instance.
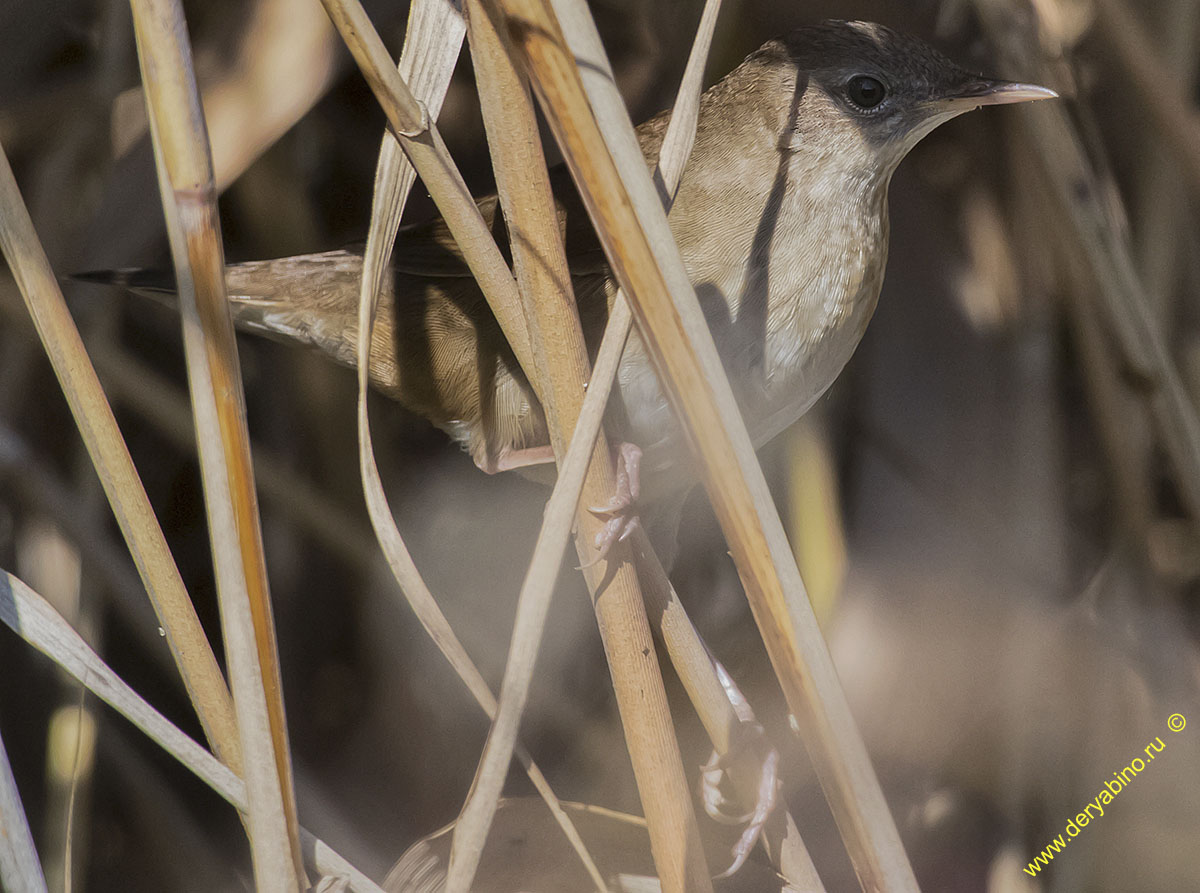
(868, 94)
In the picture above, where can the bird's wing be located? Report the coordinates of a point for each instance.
(429, 249)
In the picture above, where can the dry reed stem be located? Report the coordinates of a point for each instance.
(676, 332)
(1120, 298)
(693, 664)
(1160, 217)
(37, 622)
(1163, 95)
(20, 870)
(688, 653)
(1125, 430)
(556, 338)
(668, 618)
(1121, 420)
(189, 201)
(185, 637)
(431, 48)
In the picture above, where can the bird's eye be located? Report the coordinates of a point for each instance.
(865, 91)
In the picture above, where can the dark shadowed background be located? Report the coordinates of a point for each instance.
(1006, 573)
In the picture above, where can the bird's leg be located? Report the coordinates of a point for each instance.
(750, 735)
(622, 522)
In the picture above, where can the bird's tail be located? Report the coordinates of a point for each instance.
(308, 299)
(155, 284)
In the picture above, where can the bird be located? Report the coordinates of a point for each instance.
(781, 218)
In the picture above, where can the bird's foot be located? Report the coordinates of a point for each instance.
(622, 520)
(719, 807)
(750, 748)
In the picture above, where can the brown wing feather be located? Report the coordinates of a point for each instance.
(429, 249)
(437, 347)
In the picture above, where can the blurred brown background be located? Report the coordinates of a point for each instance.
(1016, 614)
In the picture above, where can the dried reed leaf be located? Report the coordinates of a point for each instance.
(98, 428)
(34, 619)
(188, 191)
(287, 53)
(20, 870)
(435, 32)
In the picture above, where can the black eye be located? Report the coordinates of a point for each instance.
(865, 91)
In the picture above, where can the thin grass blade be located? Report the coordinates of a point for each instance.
(185, 637)
(36, 621)
(432, 44)
(20, 870)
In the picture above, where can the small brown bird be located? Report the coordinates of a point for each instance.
(781, 218)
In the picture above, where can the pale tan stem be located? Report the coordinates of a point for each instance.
(561, 366)
(693, 663)
(185, 175)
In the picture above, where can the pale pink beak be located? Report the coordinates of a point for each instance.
(984, 92)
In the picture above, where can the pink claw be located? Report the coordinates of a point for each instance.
(622, 522)
(712, 773)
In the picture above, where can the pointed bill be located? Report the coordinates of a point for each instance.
(991, 92)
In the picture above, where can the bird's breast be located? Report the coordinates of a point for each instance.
(801, 307)
(788, 280)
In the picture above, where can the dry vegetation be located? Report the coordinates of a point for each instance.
(995, 509)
